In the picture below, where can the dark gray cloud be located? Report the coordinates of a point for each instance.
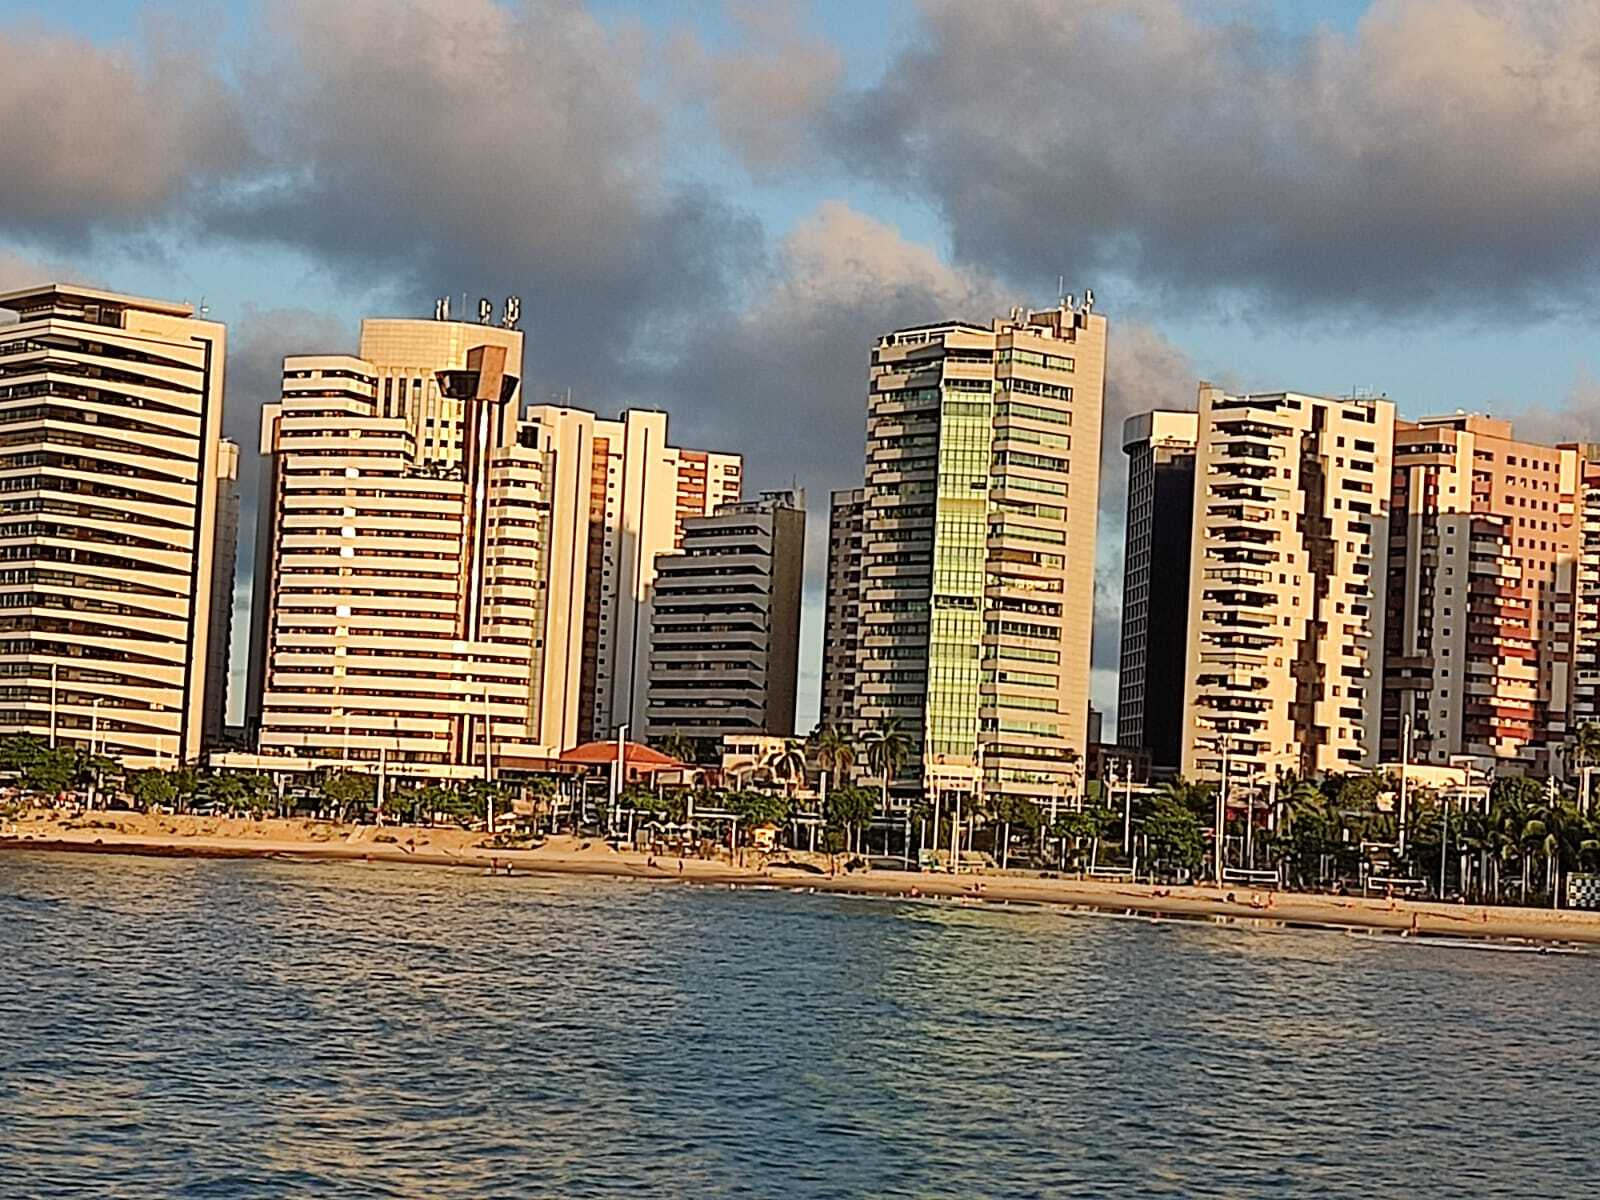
(97, 138)
(501, 148)
(258, 343)
(1441, 156)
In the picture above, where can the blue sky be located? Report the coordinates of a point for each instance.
(712, 206)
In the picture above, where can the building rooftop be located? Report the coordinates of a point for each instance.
(69, 299)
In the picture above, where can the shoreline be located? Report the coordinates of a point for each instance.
(1252, 906)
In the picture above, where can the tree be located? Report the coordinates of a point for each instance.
(679, 747)
(1174, 835)
(152, 789)
(849, 809)
(834, 752)
(788, 762)
(887, 748)
(38, 768)
(759, 808)
(346, 790)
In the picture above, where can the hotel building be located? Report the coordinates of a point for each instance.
(841, 631)
(1286, 592)
(1485, 540)
(977, 546)
(1155, 585)
(725, 623)
(110, 408)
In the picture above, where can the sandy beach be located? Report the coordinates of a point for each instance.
(222, 837)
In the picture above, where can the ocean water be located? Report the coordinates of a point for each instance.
(175, 1028)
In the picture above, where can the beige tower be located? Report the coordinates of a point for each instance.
(403, 607)
(1286, 584)
(978, 545)
(112, 406)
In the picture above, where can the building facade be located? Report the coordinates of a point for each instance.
(1585, 703)
(110, 407)
(978, 538)
(1484, 550)
(1160, 446)
(725, 623)
(401, 618)
(630, 502)
(1287, 578)
(841, 631)
(224, 566)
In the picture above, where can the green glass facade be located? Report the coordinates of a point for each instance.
(961, 519)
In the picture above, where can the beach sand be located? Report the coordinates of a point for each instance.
(221, 837)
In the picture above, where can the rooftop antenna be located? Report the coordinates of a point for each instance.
(204, 307)
(1061, 289)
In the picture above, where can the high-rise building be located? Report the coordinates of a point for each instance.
(1286, 584)
(1585, 703)
(1485, 537)
(978, 542)
(841, 631)
(111, 407)
(403, 612)
(641, 491)
(1155, 584)
(224, 565)
(725, 622)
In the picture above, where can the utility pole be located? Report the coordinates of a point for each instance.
(618, 766)
(1405, 761)
(1127, 811)
(1222, 810)
(53, 706)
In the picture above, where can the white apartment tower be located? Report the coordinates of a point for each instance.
(402, 615)
(628, 491)
(110, 407)
(978, 544)
(1287, 578)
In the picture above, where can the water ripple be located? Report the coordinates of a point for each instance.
(256, 1029)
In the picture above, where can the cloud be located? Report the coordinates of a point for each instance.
(764, 95)
(95, 137)
(258, 342)
(1441, 154)
(784, 377)
(1575, 419)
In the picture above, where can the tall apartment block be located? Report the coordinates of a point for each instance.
(841, 631)
(978, 538)
(1286, 592)
(1160, 447)
(1585, 703)
(224, 565)
(402, 615)
(725, 622)
(111, 407)
(1485, 540)
(631, 500)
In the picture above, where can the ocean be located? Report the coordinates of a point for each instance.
(192, 1028)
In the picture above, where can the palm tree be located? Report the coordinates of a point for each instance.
(834, 751)
(1583, 750)
(788, 762)
(887, 748)
(677, 746)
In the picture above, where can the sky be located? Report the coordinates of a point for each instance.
(713, 206)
